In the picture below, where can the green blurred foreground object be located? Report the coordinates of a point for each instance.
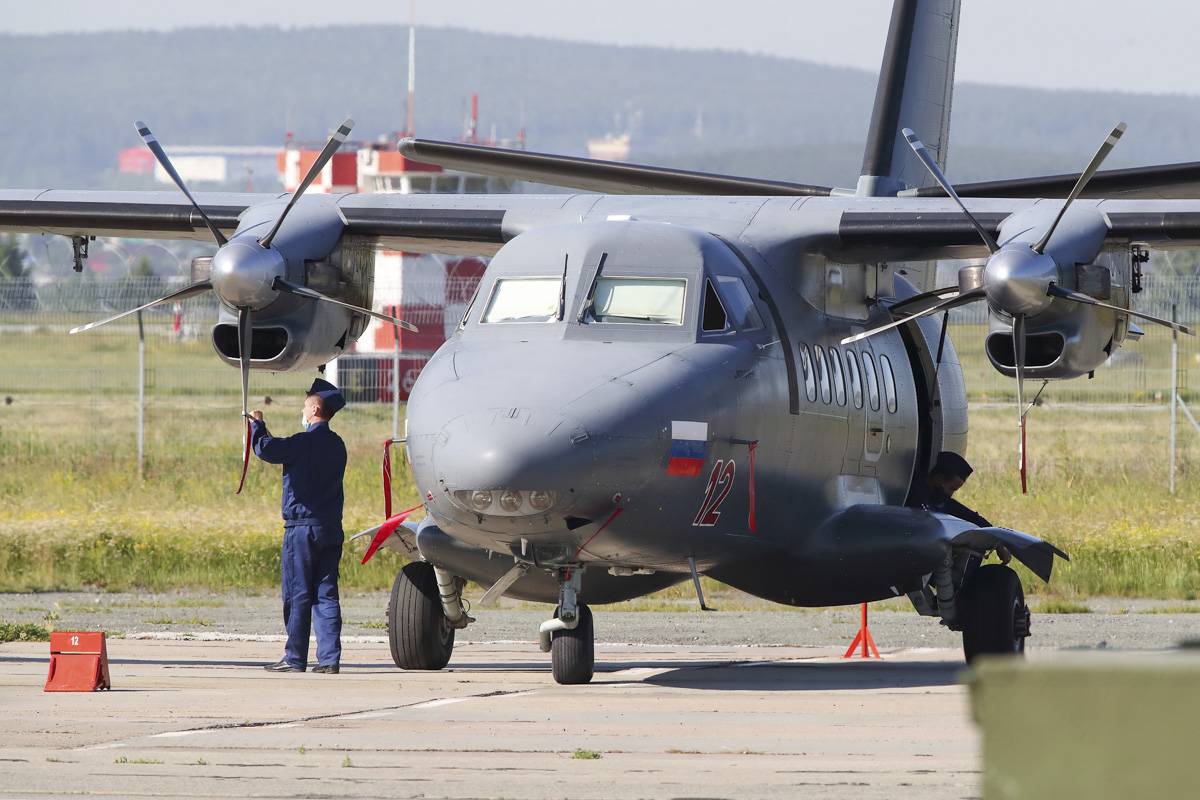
(22, 632)
(1096, 726)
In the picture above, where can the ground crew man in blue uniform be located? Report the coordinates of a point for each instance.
(314, 462)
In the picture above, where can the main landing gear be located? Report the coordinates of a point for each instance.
(423, 613)
(994, 617)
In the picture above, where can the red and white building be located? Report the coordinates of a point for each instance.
(431, 291)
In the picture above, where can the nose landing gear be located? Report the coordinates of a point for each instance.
(569, 637)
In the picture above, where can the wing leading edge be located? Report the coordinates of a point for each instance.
(453, 224)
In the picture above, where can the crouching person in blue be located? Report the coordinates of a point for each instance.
(314, 462)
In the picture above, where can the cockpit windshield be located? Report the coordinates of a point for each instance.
(657, 301)
(524, 300)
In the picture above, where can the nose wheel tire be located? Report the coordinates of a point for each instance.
(419, 634)
(996, 619)
(573, 652)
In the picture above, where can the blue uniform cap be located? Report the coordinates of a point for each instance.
(332, 400)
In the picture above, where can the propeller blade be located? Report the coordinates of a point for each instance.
(245, 334)
(185, 292)
(945, 305)
(1018, 334)
(910, 305)
(161, 156)
(918, 147)
(280, 285)
(331, 147)
(1082, 183)
(1066, 294)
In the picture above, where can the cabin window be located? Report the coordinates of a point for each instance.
(839, 382)
(658, 301)
(524, 300)
(889, 383)
(856, 392)
(822, 373)
(742, 312)
(475, 185)
(871, 380)
(810, 380)
(714, 313)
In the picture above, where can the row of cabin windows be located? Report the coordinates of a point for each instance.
(826, 377)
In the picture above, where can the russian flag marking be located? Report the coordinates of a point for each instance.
(689, 441)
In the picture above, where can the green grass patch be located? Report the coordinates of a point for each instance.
(23, 632)
(586, 755)
(77, 517)
(1055, 605)
(1174, 609)
(203, 623)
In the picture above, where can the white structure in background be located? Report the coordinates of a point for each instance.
(609, 148)
(221, 164)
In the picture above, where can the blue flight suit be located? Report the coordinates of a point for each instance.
(314, 463)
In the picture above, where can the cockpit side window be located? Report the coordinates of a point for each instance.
(715, 318)
(742, 312)
(534, 299)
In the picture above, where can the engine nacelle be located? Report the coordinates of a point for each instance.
(293, 333)
(1069, 340)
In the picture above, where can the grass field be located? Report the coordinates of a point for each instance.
(75, 514)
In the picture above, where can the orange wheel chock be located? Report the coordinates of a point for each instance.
(864, 640)
(78, 662)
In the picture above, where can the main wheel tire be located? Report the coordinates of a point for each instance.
(573, 652)
(996, 619)
(418, 632)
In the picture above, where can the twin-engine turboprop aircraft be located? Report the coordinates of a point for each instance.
(688, 373)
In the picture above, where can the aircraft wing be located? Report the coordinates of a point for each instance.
(1162, 181)
(596, 175)
(843, 228)
(453, 224)
(925, 229)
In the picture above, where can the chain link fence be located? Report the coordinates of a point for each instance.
(42, 365)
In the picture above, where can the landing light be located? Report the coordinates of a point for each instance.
(506, 502)
(510, 501)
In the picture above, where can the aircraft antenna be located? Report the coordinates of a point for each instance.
(412, 67)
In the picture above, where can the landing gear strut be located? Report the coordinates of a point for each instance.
(995, 619)
(570, 637)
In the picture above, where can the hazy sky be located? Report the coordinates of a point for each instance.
(1142, 46)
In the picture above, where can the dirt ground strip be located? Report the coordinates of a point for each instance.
(1117, 623)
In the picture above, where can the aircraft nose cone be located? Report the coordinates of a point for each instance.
(520, 449)
(242, 272)
(1016, 280)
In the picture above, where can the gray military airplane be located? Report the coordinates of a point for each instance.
(686, 374)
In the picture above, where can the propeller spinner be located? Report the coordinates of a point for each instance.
(247, 273)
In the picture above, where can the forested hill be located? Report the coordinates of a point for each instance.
(69, 102)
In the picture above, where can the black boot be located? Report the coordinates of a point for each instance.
(327, 669)
(283, 666)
